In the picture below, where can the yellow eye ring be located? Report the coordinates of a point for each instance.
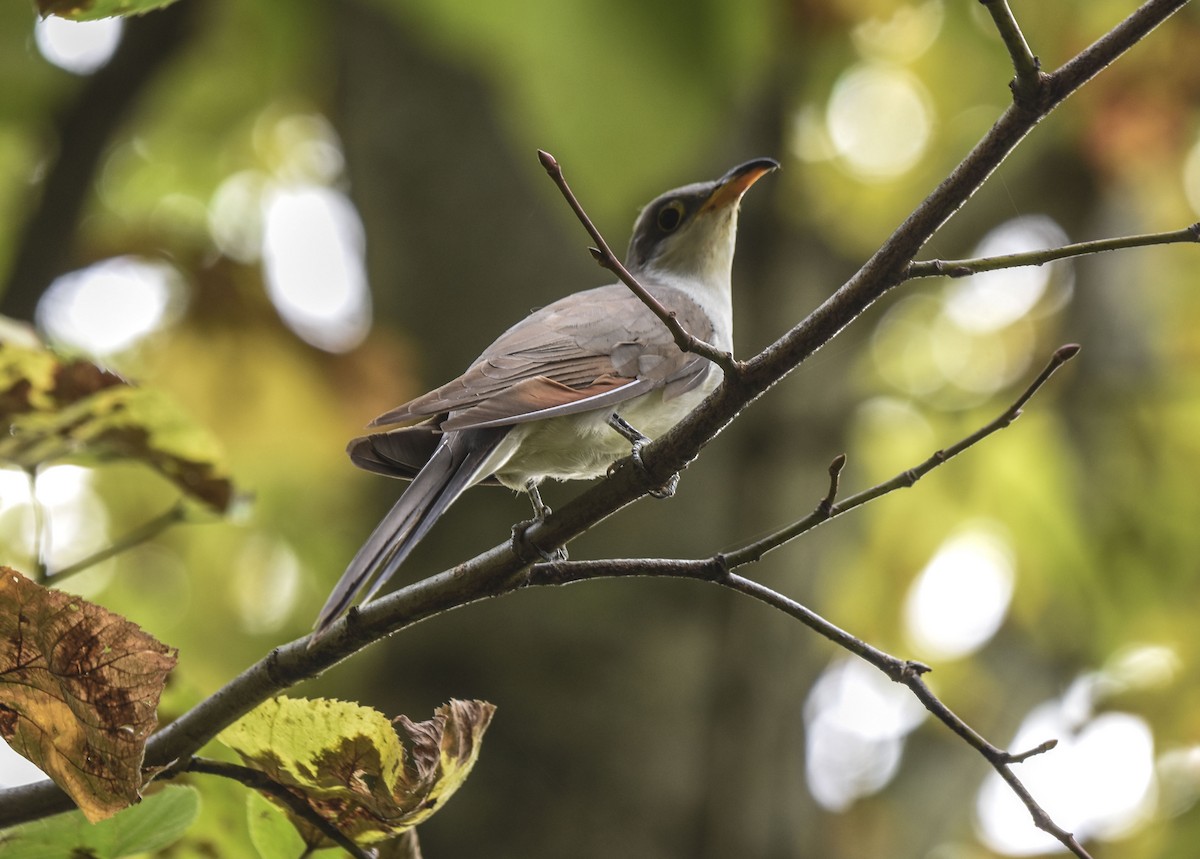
(670, 216)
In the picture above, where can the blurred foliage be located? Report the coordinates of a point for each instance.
(658, 718)
(90, 10)
(157, 822)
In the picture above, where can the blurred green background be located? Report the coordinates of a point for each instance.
(293, 215)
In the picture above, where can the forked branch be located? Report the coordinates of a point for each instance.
(719, 569)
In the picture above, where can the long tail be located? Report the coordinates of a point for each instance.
(455, 465)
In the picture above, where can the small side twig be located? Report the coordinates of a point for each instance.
(830, 508)
(968, 267)
(603, 254)
(146, 531)
(1026, 66)
(260, 781)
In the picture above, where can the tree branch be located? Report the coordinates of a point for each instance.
(906, 672)
(263, 783)
(968, 267)
(684, 339)
(1028, 70)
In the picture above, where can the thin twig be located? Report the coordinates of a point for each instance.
(968, 267)
(684, 339)
(260, 781)
(829, 508)
(146, 531)
(1028, 70)
(907, 672)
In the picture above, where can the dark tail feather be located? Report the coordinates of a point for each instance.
(396, 453)
(452, 468)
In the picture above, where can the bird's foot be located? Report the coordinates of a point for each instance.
(530, 552)
(667, 489)
(637, 442)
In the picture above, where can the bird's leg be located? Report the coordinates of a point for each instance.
(638, 441)
(540, 509)
(521, 543)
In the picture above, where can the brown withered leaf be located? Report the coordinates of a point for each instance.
(53, 407)
(79, 690)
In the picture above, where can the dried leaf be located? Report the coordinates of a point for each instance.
(52, 408)
(79, 689)
(348, 761)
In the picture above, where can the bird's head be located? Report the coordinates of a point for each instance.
(690, 232)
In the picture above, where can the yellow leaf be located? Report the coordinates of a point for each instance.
(351, 765)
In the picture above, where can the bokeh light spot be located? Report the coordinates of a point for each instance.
(904, 35)
(995, 299)
(268, 584)
(961, 597)
(855, 723)
(880, 120)
(79, 47)
(1099, 781)
(313, 247)
(110, 306)
(235, 215)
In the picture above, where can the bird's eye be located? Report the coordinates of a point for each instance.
(670, 216)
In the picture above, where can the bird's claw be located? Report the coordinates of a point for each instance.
(666, 490)
(527, 550)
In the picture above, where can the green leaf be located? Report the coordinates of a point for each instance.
(90, 10)
(350, 763)
(157, 822)
(53, 408)
(271, 833)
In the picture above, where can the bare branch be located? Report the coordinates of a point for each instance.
(828, 509)
(1039, 749)
(968, 267)
(603, 254)
(260, 781)
(906, 672)
(1028, 70)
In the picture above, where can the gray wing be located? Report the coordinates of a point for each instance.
(587, 351)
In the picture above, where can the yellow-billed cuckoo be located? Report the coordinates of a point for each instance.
(565, 392)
